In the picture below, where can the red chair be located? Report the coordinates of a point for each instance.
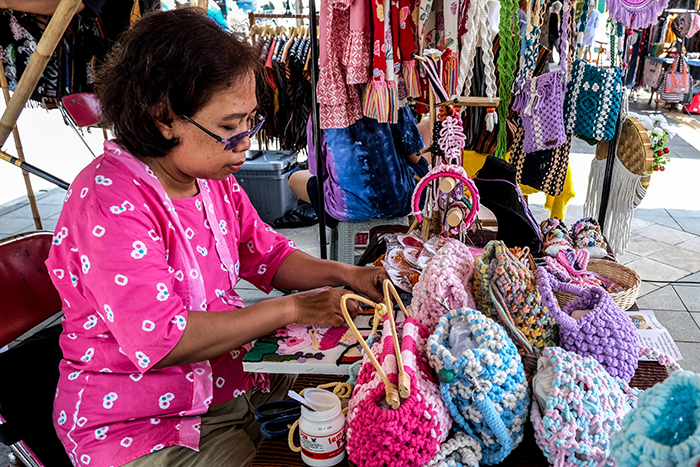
(81, 110)
(30, 369)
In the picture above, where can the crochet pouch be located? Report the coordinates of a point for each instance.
(577, 405)
(505, 290)
(592, 103)
(664, 429)
(592, 325)
(541, 101)
(483, 384)
(445, 284)
(395, 416)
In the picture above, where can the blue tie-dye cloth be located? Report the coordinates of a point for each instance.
(368, 176)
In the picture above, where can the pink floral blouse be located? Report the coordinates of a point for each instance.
(129, 263)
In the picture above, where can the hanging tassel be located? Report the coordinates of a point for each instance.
(449, 72)
(411, 78)
(491, 119)
(375, 101)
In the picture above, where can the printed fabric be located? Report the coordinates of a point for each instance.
(122, 263)
(367, 175)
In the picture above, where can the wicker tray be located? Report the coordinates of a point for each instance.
(621, 275)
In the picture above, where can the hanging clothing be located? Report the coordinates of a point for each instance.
(366, 172)
(591, 27)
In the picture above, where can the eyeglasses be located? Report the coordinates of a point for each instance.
(234, 140)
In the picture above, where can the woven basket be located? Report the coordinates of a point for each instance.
(623, 276)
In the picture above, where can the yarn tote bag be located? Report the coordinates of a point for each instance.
(678, 82)
(541, 100)
(396, 416)
(605, 332)
(484, 387)
(592, 104)
(664, 428)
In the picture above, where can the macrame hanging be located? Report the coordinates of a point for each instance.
(478, 35)
(509, 35)
(635, 14)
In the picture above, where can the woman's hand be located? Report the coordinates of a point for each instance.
(322, 306)
(368, 281)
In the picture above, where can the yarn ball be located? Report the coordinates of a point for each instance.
(664, 429)
(584, 407)
(489, 396)
(447, 278)
(605, 333)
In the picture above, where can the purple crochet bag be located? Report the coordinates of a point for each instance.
(605, 332)
(541, 101)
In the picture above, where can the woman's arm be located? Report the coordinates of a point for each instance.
(38, 7)
(209, 335)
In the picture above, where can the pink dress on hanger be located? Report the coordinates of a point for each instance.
(129, 263)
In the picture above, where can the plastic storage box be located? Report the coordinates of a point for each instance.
(265, 178)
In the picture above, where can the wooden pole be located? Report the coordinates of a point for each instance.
(20, 152)
(44, 49)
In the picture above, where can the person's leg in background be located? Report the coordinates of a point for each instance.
(298, 182)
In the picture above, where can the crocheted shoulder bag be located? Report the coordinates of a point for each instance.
(541, 101)
(664, 429)
(445, 284)
(396, 415)
(484, 387)
(584, 405)
(605, 332)
(505, 290)
(592, 103)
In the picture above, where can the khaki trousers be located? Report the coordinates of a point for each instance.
(230, 435)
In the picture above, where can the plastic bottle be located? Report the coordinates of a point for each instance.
(322, 432)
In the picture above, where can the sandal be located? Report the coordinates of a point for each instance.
(556, 237)
(587, 235)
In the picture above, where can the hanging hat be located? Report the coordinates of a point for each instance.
(500, 193)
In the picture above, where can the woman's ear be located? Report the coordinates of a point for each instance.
(163, 118)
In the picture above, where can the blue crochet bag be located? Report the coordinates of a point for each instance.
(484, 388)
(664, 429)
(592, 103)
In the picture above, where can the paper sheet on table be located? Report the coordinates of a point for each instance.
(653, 334)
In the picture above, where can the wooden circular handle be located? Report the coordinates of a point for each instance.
(454, 217)
(447, 184)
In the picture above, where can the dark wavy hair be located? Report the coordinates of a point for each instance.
(170, 63)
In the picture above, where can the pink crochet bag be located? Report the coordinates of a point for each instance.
(396, 415)
(445, 284)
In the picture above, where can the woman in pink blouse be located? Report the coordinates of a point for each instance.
(153, 237)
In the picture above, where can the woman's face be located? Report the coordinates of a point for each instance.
(199, 155)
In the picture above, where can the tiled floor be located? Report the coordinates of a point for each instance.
(664, 248)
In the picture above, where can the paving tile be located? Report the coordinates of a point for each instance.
(692, 245)
(651, 270)
(664, 298)
(689, 224)
(695, 277)
(643, 246)
(696, 317)
(690, 295)
(683, 213)
(680, 325)
(253, 296)
(691, 356)
(665, 234)
(15, 226)
(678, 257)
(646, 288)
(25, 212)
(627, 258)
(638, 223)
(656, 216)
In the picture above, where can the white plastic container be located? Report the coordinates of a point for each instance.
(322, 433)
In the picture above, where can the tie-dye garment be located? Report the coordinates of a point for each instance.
(127, 262)
(368, 174)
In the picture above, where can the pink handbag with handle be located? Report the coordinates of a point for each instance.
(678, 82)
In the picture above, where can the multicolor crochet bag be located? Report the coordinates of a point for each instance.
(577, 405)
(445, 284)
(664, 429)
(483, 387)
(592, 103)
(505, 290)
(541, 100)
(396, 415)
(605, 332)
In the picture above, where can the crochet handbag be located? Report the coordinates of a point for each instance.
(592, 104)
(505, 290)
(664, 429)
(445, 284)
(605, 332)
(678, 82)
(541, 100)
(577, 405)
(395, 416)
(484, 386)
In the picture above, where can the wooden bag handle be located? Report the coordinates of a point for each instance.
(381, 309)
